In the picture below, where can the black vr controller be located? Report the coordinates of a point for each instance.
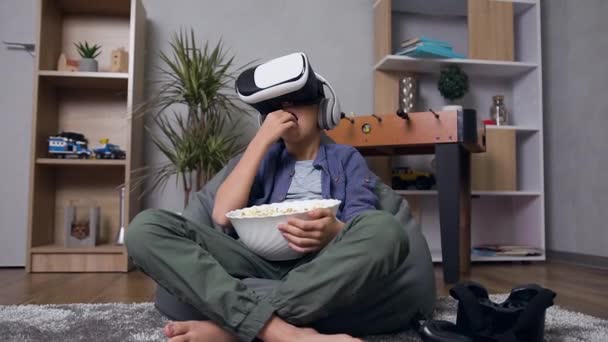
(520, 318)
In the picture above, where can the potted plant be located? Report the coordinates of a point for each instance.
(88, 54)
(192, 116)
(453, 84)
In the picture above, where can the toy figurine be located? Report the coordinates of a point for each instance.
(68, 144)
(120, 60)
(403, 177)
(81, 224)
(108, 151)
(65, 64)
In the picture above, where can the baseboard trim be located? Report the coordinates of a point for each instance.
(578, 259)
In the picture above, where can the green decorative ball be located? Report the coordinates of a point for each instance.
(453, 83)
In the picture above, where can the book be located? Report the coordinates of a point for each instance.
(414, 46)
(426, 50)
(506, 250)
(422, 39)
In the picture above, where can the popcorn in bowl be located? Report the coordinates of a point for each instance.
(257, 225)
(282, 208)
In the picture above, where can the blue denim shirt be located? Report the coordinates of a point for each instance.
(345, 176)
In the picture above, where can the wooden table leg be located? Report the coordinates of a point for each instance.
(454, 193)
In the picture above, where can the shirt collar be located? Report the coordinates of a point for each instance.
(320, 159)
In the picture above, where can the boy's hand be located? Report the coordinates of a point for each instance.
(312, 235)
(274, 125)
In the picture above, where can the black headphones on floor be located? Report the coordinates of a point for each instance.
(520, 318)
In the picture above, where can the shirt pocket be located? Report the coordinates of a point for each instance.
(338, 186)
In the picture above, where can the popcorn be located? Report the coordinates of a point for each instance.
(282, 208)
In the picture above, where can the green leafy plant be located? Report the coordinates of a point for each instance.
(453, 83)
(192, 116)
(87, 51)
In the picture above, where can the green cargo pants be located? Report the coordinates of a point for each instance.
(334, 290)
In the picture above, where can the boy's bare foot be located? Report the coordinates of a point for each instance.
(277, 330)
(328, 338)
(195, 331)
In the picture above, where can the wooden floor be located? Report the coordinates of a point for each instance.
(578, 288)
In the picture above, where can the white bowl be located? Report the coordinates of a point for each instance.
(257, 226)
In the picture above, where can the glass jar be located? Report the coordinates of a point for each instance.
(408, 94)
(498, 112)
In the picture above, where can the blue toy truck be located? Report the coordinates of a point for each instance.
(68, 145)
(109, 151)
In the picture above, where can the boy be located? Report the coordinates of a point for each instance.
(346, 254)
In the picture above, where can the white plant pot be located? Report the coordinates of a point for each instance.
(452, 108)
(87, 64)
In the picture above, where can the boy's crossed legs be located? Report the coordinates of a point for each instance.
(202, 266)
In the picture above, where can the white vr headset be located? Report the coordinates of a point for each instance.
(288, 80)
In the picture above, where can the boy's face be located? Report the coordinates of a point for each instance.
(307, 123)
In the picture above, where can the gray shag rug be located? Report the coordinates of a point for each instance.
(142, 322)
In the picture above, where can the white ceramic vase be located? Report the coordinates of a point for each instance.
(452, 108)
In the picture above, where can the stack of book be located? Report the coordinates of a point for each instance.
(423, 47)
(505, 250)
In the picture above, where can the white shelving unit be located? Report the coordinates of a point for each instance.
(450, 7)
(474, 193)
(436, 257)
(498, 217)
(473, 67)
(519, 129)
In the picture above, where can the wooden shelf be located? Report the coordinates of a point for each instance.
(84, 74)
(474, 67)
(89, 80)
(506, 193)
(450, 8)
(506, 258)
(437, 258)
(106, 7)
(519, 129)
(417, 192)
(87, 162)
(474, 193)
(97, 105)
(99, 249)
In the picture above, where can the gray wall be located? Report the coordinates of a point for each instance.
(575, 49)
(337, 35)
(16, 83)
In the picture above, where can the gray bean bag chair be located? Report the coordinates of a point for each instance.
(409, 292)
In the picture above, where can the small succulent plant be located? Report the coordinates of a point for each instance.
(87, 51)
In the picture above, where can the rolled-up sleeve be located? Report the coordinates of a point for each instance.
(256, 189)
(360, 185)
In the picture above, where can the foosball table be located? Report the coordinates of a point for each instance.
(452, 136)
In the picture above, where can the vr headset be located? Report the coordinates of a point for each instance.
(288, 81)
